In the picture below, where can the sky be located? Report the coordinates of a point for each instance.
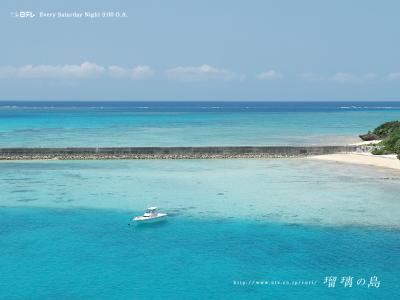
(272, 50)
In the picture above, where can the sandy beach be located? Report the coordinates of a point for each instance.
(366, 143)
(384, 161)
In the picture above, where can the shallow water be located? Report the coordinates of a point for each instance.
(300, 191)
(64, 230)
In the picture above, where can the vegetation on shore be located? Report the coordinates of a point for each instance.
(389, 133)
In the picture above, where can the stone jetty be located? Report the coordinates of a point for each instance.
(92, 153)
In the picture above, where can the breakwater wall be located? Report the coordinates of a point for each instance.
(169, 152)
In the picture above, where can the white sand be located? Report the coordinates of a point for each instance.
(366, 143)
(385, 161)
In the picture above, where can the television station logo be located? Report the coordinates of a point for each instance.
(26, 14)
(22, 14)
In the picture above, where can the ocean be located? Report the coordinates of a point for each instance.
(62, 124)
(238, 228)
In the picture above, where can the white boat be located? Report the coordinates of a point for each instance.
(151, 216)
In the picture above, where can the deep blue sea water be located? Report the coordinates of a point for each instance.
(113, 123)
(64, 230)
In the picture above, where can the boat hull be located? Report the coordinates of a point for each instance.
(149, 220)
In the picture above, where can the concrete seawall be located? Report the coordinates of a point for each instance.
(169, 152)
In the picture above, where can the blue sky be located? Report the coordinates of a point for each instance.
(202, 50)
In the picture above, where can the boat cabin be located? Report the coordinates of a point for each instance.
(151, 211)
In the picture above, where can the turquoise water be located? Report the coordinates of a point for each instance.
(33, 124)
(282, 190)
(64, 230)
(93, 254)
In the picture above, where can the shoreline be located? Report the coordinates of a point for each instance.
(351, 154)
(367, 159)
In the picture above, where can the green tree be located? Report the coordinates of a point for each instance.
(385, 129)
(390, 133)
(391, 140)
(397, 148)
